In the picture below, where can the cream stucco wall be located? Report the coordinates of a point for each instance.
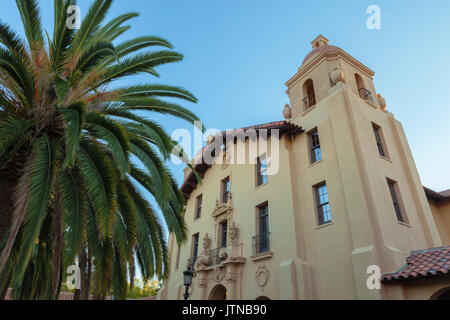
(308, 261)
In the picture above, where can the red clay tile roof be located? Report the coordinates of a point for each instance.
(445, 193)
(423, 263)
(327, 48)
(200, 166)
(437, 197)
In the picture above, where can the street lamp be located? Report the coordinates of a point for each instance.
(187, 274)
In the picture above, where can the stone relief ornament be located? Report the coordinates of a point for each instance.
(337, 76)
(287, 114)
(262, 275)
(218, 275)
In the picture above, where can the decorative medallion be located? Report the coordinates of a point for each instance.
(262, 275)
(218, 275)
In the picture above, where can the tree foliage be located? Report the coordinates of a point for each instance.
(67, 133)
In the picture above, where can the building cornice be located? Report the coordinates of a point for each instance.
(327, 55)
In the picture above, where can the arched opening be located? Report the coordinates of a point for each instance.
(443, 294)
(309, 94)
(219, 292)
(362, 90)
(262, 298)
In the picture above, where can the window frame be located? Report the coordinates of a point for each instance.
(397, 201)
(313, 158)
(195, 243)
(225, 190)
(380, 141)
(319, 205)
(198, 206)
(261, 174)
(263, 244)
(223, 239)
(177, 261)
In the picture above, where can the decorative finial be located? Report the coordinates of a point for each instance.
(337, 76)
(320, 41)
(382, 102)
(287, 114)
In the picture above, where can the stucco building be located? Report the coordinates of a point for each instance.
(345, 200)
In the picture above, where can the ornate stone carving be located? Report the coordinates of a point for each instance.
(262, 275)
(218, 275)
(337, 76)
(222, 208)
(287, 114)
(223, 253)
(381, 101)
(233, 232)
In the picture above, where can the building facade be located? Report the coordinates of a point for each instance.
(344, 204)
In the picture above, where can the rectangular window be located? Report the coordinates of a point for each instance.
(380, 141)
(261, 171)
(225, 189)
(323, 205)
(314, 146)
(263, 226)
(195, 238)
(396, 200)
(198, 206)
(178, 257)
(223, 233)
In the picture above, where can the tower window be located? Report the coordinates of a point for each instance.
(379, 138)
(396, 200)
(261, 171)
(225, 189)
(314, 146)
(309, 94)
(198, 206)
(323, 205)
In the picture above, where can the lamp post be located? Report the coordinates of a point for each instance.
(187, 274)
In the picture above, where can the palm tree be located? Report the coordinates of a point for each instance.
(67, 132)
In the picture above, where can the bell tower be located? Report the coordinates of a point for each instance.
(377, 202)
(324, 67)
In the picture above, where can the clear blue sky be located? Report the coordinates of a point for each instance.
(238, 55)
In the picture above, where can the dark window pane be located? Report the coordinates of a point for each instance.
(225, 190)
(198, 211)
(376, 131)
(195, 249)
(395, 201)
(314, 144)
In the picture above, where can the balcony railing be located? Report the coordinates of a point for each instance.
(366, 94)
(261, 243)
(309, 101)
